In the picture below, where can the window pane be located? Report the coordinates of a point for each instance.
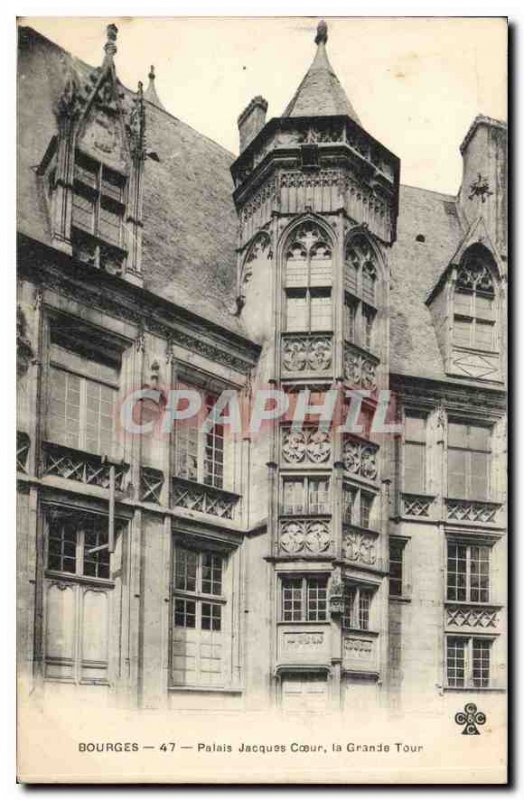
(296, 313)
(185, 613)
(462, 332)
(457, 572)
(483, 307)
(479, 438)
(349, 497)
(368, 319)
(320, 265)
(396, 552)
(456, 661)
(349, 618)
(321, 312)
(186, 449)
(292, 599)
(364, 607)
(294, 496)
(211, 617)
(84, 210)
(211, 573)
(366, 501)
(61, 550)
(414, 467)
(316, 599)
(484, 332)
(479, 574)
(464, 303)
(96, 536)
(214, 450)
(481, 662)
(479, 479)
(110, 221)
(350, 277)
(457, 434)
(415, 428)
(368, 284)
(456, 473)
(186, 562)
(296, 267)
(350, 312)
(63, 421)
(318, 495)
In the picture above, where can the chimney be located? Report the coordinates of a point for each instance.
(251, 121)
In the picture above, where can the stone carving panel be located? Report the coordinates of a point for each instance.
(77, 466)
(414, 505)
(360, 547)
(360, 370)
(479, 617)
(472, 511)
(308, 445)
(304, 353)
(305, 536)
(360, 459)
(197, 497)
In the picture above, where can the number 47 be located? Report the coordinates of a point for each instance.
(167, 747)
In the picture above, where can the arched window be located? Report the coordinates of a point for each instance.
(360, 278)
(474, 304)
(308, 279)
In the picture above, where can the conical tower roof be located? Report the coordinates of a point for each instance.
(150, 93)
(320, 93)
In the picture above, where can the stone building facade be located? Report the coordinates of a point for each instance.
(308, 569)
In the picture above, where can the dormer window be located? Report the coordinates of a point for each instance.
(473, 306)
(98, 213)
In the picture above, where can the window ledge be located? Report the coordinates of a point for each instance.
(470, 689)
(68, 577)
(395, 598)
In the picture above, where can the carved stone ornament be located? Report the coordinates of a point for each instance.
(306, 353)
(360, 459)
(359, 371)
(24, 350)
(360, 547)
(474, 275)
(304, 536)
(306, 445)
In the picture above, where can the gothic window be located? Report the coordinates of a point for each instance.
(357, 507)
(199, 454)
(469, 461)
(82, 392)
(199, 616)
(357, 606)
(77, 590)
(308, 278)
(360, 284)
(414, 453)
(305, 495)
(98, 212)
(474, 318)
(468, 662)
(303, 599)
(396, 567)
(468, 573)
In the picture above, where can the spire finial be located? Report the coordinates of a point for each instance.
(151, 75)
(110, 46)
(322, 32)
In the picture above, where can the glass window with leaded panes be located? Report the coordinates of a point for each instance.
(200, 453)
(468, 662)
(468, 572)
(303, 599)
(469, 460)
(305, 495)
(414, 452)
(307, 279)
(357, 606)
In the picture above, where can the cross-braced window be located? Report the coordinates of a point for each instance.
(360, 284)
(199, 454)
(77, 588)
(98, 212)
(469, 461)
(303, 599)
(77, 544)
(81, 399)
(474, 305)
(414, 453)
(468, 662)
(305, 495)
(468, 572)
(308, 278)
(357, 606)
(199, 608)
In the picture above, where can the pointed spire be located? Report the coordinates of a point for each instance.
(320, 93)
(150, 93)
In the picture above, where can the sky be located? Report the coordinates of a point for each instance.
(416, 83)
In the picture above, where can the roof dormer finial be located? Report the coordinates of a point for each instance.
(322, 32)
(110, 46)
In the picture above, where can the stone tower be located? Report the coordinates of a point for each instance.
(317, 199)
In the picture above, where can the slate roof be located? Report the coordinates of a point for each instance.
(320, 93)
(190, 221)
(415, 269)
